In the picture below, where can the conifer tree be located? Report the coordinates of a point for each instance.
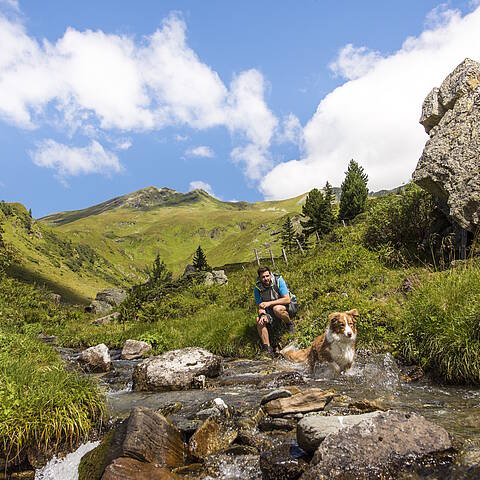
(354, 195)
(318, 212)
(159, 273)
(200, 260)
(288, 235)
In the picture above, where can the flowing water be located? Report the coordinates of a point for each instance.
(375, 377)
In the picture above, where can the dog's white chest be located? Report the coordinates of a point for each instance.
(342, 354)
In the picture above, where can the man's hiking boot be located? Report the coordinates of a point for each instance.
(290, 327)
(267, 350)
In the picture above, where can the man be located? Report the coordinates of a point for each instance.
(275, 303)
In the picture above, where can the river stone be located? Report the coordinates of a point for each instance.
(283, 462)
(311, 400)
(134, 349)
(270, 424)
(175, 370)
(96, 359)
(376, 447)
(279, 393)
(213, 436)
(125, 468)
(449, 165)
(312, 429)
(112, 296)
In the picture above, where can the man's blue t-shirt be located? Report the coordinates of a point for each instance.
(282, 288)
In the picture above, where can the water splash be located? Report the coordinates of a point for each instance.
(65, 468)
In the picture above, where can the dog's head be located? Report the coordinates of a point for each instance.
(344, 324)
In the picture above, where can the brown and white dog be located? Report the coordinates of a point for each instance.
(335, 346)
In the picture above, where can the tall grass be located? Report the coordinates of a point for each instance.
(441, 325)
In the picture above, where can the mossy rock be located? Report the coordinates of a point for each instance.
(92, 464)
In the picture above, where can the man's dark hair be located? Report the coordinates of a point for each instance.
(263, 270)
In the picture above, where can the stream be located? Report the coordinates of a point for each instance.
(375, 378)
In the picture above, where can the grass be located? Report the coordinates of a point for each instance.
(43, 405)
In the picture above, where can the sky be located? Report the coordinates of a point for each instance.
(249, 100)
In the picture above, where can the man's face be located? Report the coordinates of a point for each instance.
(266, 278)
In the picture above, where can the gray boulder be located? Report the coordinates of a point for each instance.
(96, 359)
(175, 370)
(98, 307)
(215, 277)
(449, 165)
(376, 447)
(107, 319)
(134, 349)
(112, 296)
(312, 429)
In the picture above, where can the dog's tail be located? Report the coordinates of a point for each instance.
(294, 355)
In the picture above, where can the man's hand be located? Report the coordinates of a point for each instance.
(264, 305)
(262, 320)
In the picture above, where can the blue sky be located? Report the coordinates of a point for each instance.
(249, 100)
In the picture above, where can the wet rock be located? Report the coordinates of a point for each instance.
(241, 450)
(111, 296)
(311, 400)
(376, 446)
(312, 429)
(279, 393)
(365, 406)
(175, 370)
(284, 378)
(213, 436)
(170, 409)
(124, 468)
(413, 374)
(270, 424)
(107, 319)
(193, 470)
(135, 349)
(187, 427)
(284, 462)
(96, 359)
(449, 165)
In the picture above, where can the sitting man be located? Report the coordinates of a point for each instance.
(275, 303)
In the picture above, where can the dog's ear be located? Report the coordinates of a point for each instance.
(353, 313)
(333, 316)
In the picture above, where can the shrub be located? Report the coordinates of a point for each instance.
(441, 326)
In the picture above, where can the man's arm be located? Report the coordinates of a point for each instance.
(284, 298)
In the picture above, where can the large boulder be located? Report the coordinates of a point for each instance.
(376, 447)
(176, 370)
(450, 162)
(96, 359)
(134, 349)
(112, 296)
(125, 468)
(312, 429)
(283, 462)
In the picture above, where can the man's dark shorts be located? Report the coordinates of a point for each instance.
(292, 309)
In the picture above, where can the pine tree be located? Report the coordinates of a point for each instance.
(159, 273)
(354, 195)
(200, 260)
(318, 212)
(288, 235)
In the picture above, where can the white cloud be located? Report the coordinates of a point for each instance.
(181, 138)
(373, 118)
(200, 185)
(200, 151)
(13, 4)
(100, 82)
(353, 62)
(72, 161)
(124, 144)
(291, 130)
(255, 159)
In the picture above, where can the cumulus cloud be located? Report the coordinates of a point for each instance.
(200, 185)
(200, 151)
(72, 161)
(256, 160)
(109, 82)
(373, 116)
(291, 131)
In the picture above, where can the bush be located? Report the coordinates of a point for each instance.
(403, 222)
(441, 326)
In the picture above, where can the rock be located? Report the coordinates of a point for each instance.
(107, 319)
(413, 374)
(365, 406)
(311, 400)
(112, 296)
(279, 393)
(175, 370)
(312, 429)
(124, 468)
(48, 339)
(449, 165)
(376, 447)
(98, 307)
(134, 349)
(284, 462)
(96, 359)
(189, 269)
(55, 298)
(270, 424)
(219, 277)
(213, 436)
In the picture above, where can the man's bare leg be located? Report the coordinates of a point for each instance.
(263, 331)
(281, 312)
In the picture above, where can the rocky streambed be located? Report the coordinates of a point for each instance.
(270, 419)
